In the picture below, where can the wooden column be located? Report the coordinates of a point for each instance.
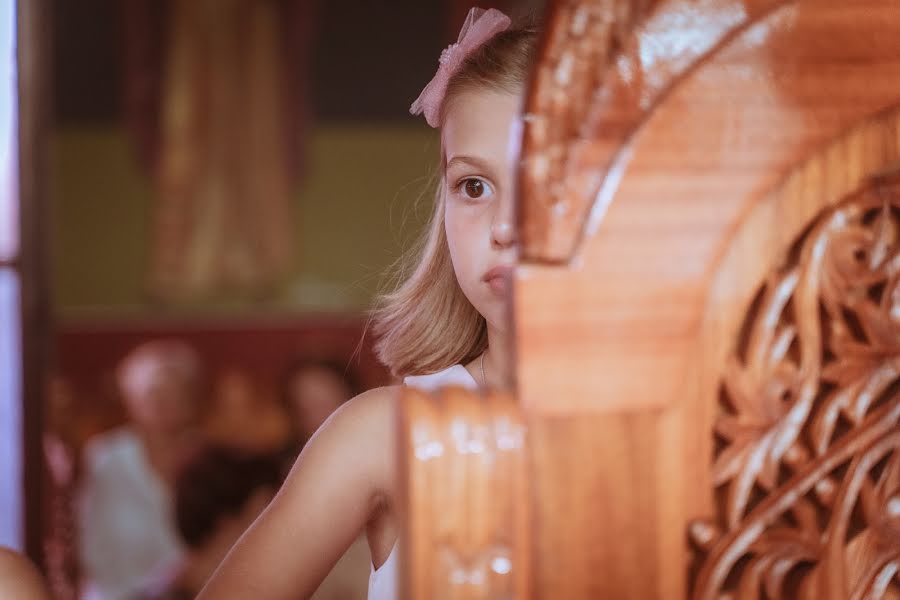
(34, 66)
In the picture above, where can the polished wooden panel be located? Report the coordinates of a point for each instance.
(465, 489)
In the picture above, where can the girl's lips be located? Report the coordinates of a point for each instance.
(498, 278)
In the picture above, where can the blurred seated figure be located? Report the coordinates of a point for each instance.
(243, 417)
(312, 389)
(219, 491)
(125, 525)
(19, 579)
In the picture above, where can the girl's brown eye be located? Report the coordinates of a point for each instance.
(474, 188)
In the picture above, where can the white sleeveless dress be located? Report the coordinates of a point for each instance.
(383, 580)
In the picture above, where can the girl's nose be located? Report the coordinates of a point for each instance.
(503, 234)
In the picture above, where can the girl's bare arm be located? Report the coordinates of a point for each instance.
(326, 501)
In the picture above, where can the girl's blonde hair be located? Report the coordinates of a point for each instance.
(426, 323)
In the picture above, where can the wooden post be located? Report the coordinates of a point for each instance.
(34, 66)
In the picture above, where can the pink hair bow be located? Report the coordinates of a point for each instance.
(480, 26)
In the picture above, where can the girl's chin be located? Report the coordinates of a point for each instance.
(496, 315)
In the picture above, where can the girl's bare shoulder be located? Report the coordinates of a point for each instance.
(359, 440)
(367, 417)
(377, 402)
(337, 484)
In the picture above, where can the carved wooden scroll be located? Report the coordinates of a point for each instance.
(808, 458)
(581, 40)
(604, 66)
(465, 476)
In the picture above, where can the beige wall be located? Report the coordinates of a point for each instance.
(357, 207)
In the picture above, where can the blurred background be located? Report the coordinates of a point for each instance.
(227, 183)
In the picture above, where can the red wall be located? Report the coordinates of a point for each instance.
(87, 352)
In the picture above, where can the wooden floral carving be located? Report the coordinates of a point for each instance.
(807, 466)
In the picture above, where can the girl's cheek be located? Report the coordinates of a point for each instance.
(468, 212)
(461, 228)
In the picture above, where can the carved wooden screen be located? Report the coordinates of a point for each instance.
(707, 317)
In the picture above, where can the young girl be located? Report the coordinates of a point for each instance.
(446, 324)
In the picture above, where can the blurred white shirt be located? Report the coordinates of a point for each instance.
(125, 523)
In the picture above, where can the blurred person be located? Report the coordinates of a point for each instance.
(242, 416)
(312, 389)
(219, 491)
(125, 524)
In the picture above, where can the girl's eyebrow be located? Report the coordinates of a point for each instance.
(472, 161)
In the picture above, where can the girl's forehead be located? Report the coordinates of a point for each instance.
(477, 123)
